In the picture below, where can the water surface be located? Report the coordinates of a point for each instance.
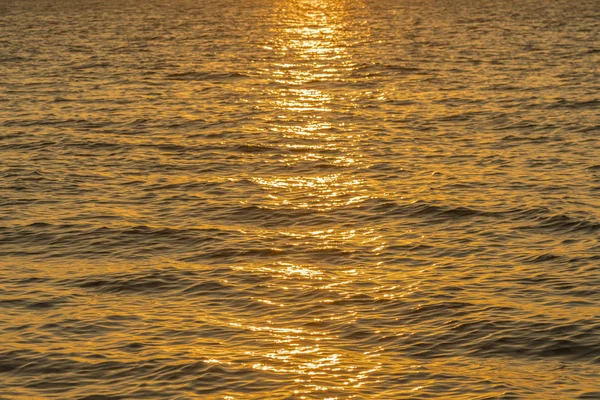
(288, 199)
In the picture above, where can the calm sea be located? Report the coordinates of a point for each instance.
(299, 199)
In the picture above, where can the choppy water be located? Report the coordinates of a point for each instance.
(272, 199)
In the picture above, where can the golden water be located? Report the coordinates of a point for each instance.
(289, 199)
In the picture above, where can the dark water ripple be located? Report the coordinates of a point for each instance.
(296, 199)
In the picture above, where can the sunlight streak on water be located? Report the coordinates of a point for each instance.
(313, 41)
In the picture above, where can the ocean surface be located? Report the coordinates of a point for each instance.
(299, 199)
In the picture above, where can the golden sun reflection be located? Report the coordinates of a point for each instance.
(303, 100)
(315, 192)
(312, 45)
(315, 170)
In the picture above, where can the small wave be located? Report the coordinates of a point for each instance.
(542, 258)
(204, 76)
(92, 65)
(99, 242)
(575, 105)
(510, 338)
(150, 282)
(13, 59)
(421, 209)
(563, 223)
(42, 368)
(35, 303)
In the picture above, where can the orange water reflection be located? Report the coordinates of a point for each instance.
(311, 41)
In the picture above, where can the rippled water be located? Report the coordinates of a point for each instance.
(272, 199)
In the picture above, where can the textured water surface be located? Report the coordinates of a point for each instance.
(288, 199)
